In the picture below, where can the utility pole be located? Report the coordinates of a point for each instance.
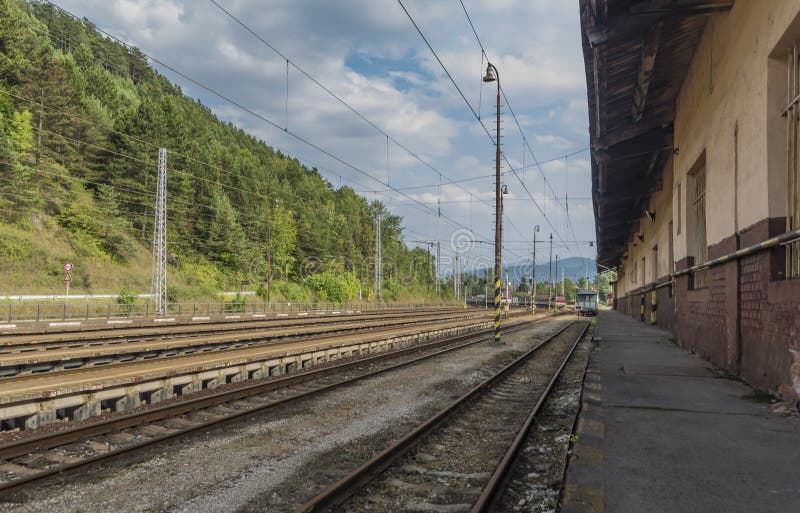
(455, 278)
(586, 272)
(269, 253)
(550, 276)
(438, 259)
(39, 131)
(378, 259)
(158, 280)
(554, 283)
(431, 273)
(533, 270)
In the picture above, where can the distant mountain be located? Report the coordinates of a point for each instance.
(573, 268)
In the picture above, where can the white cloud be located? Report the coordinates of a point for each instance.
(399, 86)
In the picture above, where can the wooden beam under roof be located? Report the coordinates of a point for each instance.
(656, 140)
(686, 7)
(645, 75)
(644, 15)
(654, 122)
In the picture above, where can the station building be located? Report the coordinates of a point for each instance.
(694, 111)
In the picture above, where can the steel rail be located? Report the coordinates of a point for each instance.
(355, 480)
(129, 333)
(241, 335)
(242, 341)
(113, 425)
(499, 478)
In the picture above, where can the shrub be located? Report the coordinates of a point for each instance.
(292, 292)
(236, 304)
(126, 298)
(333, 287)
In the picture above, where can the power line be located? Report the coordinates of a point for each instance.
(266, 120)
(477, 116)
(355, 111)
(482, 177)
(514, 116)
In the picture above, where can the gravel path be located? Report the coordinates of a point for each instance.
(279, 458)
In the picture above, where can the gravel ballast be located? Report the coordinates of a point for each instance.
(273, 460)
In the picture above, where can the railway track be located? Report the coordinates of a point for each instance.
(458, 459)
(37, 359)
(21, 342)
(32, 459)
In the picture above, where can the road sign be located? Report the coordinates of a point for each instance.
(68, 266)
(68, 277)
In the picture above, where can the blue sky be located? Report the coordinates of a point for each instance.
(368, 53)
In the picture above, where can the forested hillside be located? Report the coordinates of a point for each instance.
(81, 121)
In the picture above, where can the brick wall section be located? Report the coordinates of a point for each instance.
(753, 291)
(705, 321)
(666, 309)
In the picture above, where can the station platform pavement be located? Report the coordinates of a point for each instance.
(661, 430)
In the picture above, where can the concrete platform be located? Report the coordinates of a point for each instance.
(33, 400)
(662, 430)
(37, 359)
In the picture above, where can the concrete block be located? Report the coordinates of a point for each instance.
(46, 416)
(34, 421)
(157, 396)
(91, 408)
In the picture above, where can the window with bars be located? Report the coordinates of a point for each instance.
(698, 206)
(792, 114)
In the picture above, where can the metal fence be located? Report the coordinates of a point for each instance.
(12, 312)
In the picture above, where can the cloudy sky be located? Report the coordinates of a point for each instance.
(369, 54)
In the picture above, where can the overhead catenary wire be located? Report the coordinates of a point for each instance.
(477, 116)
(261, 117)
(337, 97)
(482, 177)
(526, 143)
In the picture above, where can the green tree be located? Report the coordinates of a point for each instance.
(226, 241)
(283, 238)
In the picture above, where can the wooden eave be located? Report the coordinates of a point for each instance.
(636, 55)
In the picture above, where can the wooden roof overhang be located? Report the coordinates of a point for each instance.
(637, 53)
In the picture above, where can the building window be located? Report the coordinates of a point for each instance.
(698, 208)
(792, 113)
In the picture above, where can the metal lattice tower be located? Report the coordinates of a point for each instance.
(378, 259)
(158, 280)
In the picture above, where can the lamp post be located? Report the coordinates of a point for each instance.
(492, 75)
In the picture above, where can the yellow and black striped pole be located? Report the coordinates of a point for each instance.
(654, 307)
(492, 75)
(497, 310)
(641, 308)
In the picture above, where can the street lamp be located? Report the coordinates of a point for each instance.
(492, 75)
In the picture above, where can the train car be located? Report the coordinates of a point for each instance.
(587, 302)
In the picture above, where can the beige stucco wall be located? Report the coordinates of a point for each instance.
(727, 85)
(656, 233)
(733, 85)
